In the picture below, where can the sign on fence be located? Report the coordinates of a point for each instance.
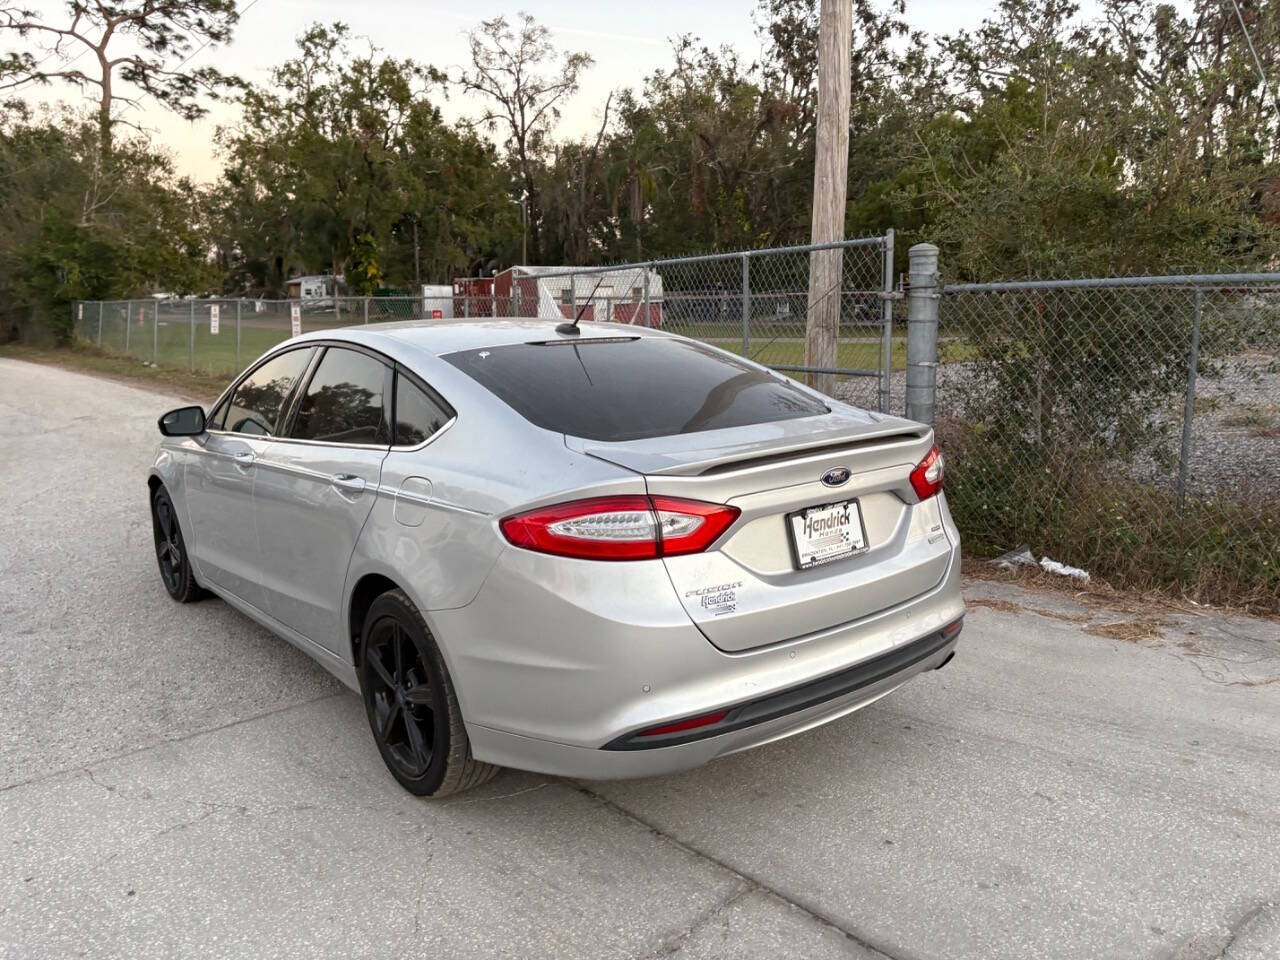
(295, 315)
(213, 319)
(437, 314)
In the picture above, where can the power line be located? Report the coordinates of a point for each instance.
(249, 6)
(1266, 87)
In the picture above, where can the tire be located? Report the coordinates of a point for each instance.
(411, 703)
(171, 550)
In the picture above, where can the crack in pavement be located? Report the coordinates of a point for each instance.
(1260, 917)
(879, 951)
(673, 944)
(80, 767)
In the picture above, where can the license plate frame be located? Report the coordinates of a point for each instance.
(793, 537)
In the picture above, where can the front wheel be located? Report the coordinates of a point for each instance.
(411, 704)
(171, 550)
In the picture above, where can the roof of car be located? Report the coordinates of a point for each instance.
(439, 337)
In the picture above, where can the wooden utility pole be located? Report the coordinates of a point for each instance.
(830, 183)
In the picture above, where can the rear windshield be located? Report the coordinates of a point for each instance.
(632, 388)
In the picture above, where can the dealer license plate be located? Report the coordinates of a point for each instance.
(826, 533)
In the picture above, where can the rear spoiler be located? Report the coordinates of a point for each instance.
(712, 452)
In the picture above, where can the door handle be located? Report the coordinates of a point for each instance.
(348, 482)
(244, 458)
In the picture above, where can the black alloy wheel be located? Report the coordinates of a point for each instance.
(411, 703)
(400, 698)
(171, 551)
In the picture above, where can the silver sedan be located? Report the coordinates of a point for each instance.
(596, 552)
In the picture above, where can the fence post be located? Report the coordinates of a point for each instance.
(128, 322)
(366, 311)
(155, 335)
(886, 334)
(238, 305)
(746, 303)
(100, 305)
(922, 333)
(1188, 413)
(573, 297)
(648, 318)
(191, 350)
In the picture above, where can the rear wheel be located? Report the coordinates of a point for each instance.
(171, 550)
(411, 704)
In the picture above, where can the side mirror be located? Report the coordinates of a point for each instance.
(183, 422)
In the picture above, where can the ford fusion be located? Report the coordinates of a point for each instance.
(594, 551)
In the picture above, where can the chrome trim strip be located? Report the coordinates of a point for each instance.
(384, 490)
(336, 443)
(431, 439)
(310, 443)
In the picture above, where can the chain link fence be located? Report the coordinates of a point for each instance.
(1130, 426)
(754, 303)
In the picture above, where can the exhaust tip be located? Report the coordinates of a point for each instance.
(950, 657)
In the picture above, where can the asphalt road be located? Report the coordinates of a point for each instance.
(176, 782)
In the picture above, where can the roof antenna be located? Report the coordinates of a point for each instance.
(572, 328)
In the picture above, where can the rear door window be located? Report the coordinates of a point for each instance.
(258, 401)
(345, 401)
(632, 388)
(419, 414)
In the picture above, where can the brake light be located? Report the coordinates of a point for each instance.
(631, 527)
(926, 478)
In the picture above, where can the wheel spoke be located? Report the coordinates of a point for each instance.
(381, 669)
(389, 720)
(397, 642)
(165, 518)
(417, 743)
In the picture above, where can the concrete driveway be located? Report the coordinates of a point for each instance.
(1079, 782)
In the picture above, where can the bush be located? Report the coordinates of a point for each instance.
(1084, 511)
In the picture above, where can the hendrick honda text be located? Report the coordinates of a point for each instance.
(595, 551)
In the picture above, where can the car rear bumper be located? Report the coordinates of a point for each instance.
(556, 662)
(618, 761)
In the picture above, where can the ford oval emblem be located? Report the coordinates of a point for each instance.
(837, 476)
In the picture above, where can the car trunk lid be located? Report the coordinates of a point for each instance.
(749, 590)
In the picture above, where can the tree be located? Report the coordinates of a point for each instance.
(1076, 148)
(515, 70)
(82, 226)
(335, 161)
(152, 33)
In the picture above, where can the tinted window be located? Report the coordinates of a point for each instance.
(629, 389)
(255, 406)
(343, 402)
(418, 414)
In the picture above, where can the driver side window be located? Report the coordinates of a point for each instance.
(257, 404)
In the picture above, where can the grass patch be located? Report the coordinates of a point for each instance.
(169, 344)
(82, 358)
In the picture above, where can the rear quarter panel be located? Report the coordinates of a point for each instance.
(434, 528)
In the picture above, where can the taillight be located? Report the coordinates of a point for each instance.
(926, 478)
(628, 527)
